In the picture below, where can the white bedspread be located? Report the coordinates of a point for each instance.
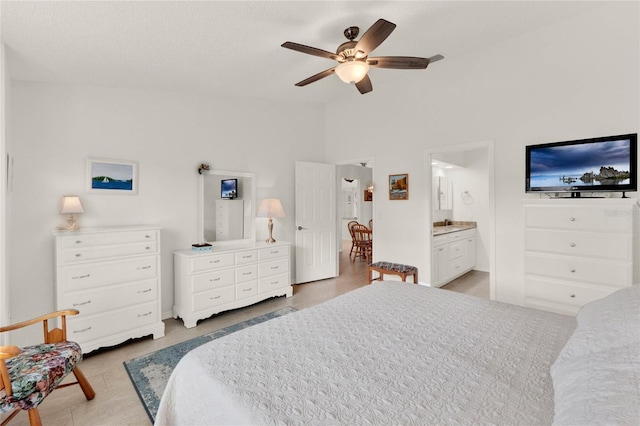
(387, 353)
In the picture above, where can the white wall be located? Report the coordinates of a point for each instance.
(575, 79)
(57, 127)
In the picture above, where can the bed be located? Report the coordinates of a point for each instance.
(395, 353)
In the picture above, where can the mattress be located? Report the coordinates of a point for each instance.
(387, 353)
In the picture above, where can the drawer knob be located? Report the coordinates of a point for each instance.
(78, 241)
(214, 279)
(247, 256)
(572, 295)
(144, 291)
(573, 270)
(274, 267)
(147, 236)
(83, 330)
(246, 273)
(144, 267)
(78, 254)
(144, 315)
(275, 282)
(572, 245)
(214, 261)
(82, 303)
(215, 297)
(147, 248)
(572, 219)
(248, 289)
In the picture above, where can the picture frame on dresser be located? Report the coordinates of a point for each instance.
(109, 176)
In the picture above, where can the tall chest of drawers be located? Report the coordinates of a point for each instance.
(577, 251)
(229, 278)
(112, 276)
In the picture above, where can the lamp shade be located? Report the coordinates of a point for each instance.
(270, 207)
(352, 71)
(71, 205)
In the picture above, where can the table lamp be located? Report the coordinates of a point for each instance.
(71, 205)
(270, 207)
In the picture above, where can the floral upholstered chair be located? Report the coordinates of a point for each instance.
(28, 375)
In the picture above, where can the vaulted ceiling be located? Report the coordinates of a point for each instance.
(232, 48)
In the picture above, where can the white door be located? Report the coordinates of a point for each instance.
(316, 247)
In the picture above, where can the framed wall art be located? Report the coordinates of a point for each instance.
(399, 187)
(107, 176)
(368, 195)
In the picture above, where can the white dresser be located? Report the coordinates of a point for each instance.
(453, 254)
(228, 278)
(112, 276)
(577, 251)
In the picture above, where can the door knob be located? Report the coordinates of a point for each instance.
(300, 228)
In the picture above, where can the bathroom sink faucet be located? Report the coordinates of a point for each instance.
(447, 222)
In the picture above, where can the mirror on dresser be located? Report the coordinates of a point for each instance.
(226, 221)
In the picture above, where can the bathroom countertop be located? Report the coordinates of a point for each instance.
(454, 226)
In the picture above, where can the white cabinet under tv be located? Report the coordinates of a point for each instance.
(578, 250)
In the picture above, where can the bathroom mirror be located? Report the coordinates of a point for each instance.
(227, 217)
(442, 193)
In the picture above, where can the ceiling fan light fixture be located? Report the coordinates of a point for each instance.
(352, 71)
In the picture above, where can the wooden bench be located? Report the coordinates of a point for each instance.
(390, 268)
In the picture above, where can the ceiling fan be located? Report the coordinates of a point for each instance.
(353, 56)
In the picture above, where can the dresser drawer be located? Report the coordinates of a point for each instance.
(83, 277)
(274, 267)
(591, 218)
(85, 328)
(246, 290)
(213, 298)
(213, 261)
(115, 238)
(246, 257)
(602, 272)
(110, 298)
(246, 273)
(273, 283)
(456, 249)
(82, 254)
(211, 280)
(273, 252)
(565, 293)
(591, 244)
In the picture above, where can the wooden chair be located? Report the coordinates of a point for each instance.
(353, 238)
(29, 374)
(363, 242)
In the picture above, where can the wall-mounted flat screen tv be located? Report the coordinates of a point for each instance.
(229, 188)
(586, 165)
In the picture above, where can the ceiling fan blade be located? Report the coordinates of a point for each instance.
(364, 85)
(374, 36)
(399, 62)
(311, 50)
(435, 58)
(316, 77)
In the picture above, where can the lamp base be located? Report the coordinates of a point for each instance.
(72, 225)
(270, 239)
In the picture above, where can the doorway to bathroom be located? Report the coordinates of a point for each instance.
(462, 200)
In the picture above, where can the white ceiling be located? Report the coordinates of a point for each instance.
(232, 48)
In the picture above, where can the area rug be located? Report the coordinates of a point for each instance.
(150, 373)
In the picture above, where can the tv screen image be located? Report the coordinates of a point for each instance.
(229, 188)
(587, 165)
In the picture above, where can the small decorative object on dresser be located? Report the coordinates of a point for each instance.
(228, 277)
(270, 207)
(71, 205)
(577, 251)
(112, 276)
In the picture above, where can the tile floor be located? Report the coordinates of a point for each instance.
(116, 401)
